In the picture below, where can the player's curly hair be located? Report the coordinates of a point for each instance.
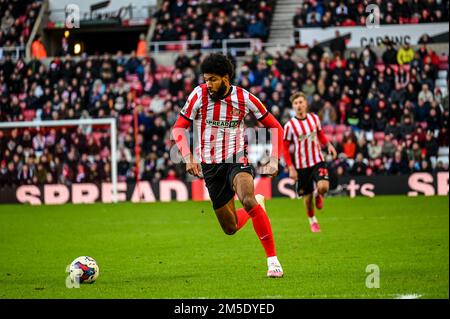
(217, 63)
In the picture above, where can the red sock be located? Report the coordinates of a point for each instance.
(262, 227)
(242, 217)
(310, 213)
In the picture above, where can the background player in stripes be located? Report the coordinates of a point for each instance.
(217, 110)
(305, 132)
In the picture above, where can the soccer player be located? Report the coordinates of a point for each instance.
(217, 110)
(305, 132)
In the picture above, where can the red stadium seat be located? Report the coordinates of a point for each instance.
(145, 101)
(174, 47)
(406, 67)
(380, 68)
(394, 67)
(341, 128)
(132, 78)
(126, 119)
(414, 20)
(379, 136)
(29, 115)
(124, 127)
(424, 125)
(97, 136)
(328, 129)
(339, 137)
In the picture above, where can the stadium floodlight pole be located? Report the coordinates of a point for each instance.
(80, 122)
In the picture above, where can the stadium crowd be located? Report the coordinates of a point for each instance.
(318, 13)
(213, 21)
(17, 20)
(384, 114)
(383, 118)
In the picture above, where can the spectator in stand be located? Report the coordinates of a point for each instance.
(390, 55)
(425, 94)
(388, 148)
(37, 49)
(338, 44)
(349, 147)
(405, 54)
(141, 50)
(398, 165)
(351, 13)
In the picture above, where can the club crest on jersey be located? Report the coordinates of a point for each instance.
(235, 112)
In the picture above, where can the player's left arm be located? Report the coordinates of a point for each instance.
(269, 121)
(326, 143)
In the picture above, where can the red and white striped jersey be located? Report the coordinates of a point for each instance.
(303, 133)
(219, 124)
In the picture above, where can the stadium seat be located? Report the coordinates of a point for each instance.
(328, 129)
(380, 68)
(441, 82)
(394, 67)
(145, 101)
(443, 151)
(163, 93)
(406, 67)
(444, 90)
(379, 136)
(443, 159)
(339, 137)
(341, 128)
(414, 20)
(174, 47)
(442, 74)
(443, 58)
(443, 66)
(29, 115)
(124, 127)
(97, 136)
(128, 118)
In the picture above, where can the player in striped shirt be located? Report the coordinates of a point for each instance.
(305, 132)
(217, 110)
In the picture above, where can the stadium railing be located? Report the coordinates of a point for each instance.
(15, 52)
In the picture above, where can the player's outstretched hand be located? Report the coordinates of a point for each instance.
(332, 150)
(271, 168)
(192, 167)
(293, 173)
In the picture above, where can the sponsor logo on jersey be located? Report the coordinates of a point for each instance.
(223, 124)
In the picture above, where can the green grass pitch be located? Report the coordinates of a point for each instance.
(177, 250)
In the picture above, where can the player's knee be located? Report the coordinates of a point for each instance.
(249, 202)
(229, 229)
(323, 188)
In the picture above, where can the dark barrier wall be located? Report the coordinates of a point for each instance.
(168, 190)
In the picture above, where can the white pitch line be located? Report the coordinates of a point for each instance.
(411, 296)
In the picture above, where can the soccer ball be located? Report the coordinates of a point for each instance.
(84, 269)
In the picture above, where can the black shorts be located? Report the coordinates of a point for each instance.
(307, 177)
(219, 180)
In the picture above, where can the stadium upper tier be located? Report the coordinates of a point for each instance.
(317, 13)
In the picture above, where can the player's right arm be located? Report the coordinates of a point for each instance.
(287, 139)
(187, 115)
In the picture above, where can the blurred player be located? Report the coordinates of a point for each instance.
(217, 110)
(305, 132)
